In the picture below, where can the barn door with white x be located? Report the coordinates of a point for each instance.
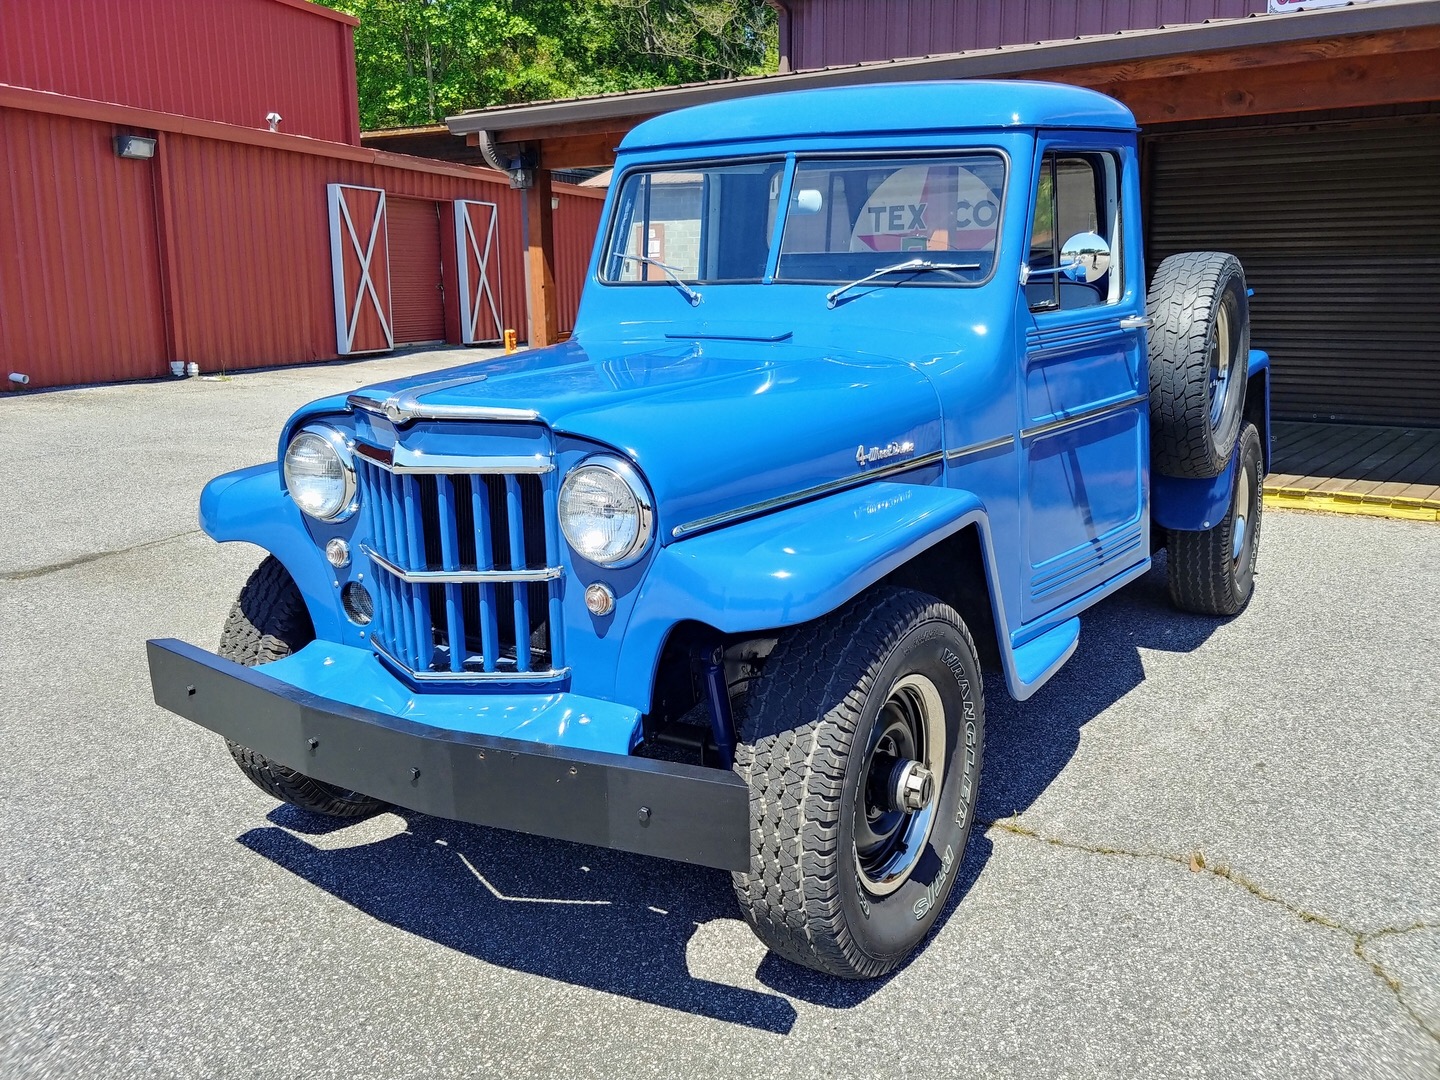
(360, 268)
(476, 237)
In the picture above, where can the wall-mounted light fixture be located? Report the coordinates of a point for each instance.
(134, 146)
(273, 119)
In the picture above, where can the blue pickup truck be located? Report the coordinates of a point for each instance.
(867, 396)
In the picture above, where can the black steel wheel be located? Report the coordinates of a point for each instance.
(1213, 572)
(269, 621)
(862, 745)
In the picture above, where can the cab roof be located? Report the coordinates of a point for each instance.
(890, 109)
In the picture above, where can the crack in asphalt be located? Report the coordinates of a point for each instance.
(94, 556)
(1196, 863)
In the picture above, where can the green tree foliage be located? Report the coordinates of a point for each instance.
(418, 61)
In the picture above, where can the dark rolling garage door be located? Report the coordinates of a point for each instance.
(1339, 232)
(416, 300)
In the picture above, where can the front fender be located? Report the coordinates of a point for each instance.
(251, 505)
(788, 567)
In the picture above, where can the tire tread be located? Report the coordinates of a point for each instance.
(269, 621)
(796, 774)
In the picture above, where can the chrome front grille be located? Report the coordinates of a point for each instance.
(467, 569)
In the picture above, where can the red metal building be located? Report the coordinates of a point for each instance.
(232, 246)
(829, 33)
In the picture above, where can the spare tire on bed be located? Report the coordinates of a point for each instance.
(1199, 361)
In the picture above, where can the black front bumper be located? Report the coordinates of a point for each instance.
(658, 808)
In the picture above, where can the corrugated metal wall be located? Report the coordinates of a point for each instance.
(82, 265)
(1338, 229)
(576, 222)
(231, 61)
(80, 295)
(824, 33)
(417, 302)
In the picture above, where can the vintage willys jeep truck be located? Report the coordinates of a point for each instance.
(858, 404)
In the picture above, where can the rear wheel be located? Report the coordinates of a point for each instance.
(1213, 572)
(269, 621)
(862, 745)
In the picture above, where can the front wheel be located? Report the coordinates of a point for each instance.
(862, 746)
(269, 621)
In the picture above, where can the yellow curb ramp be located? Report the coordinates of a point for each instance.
(1400, 509)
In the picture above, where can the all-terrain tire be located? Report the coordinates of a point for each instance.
(269, 621)
(1199, 344)
(807, 734)
(1213, 572)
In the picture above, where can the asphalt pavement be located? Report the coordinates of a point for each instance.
(1213, 847)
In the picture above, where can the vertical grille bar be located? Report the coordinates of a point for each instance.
(552, 558)
(517, 562)
(394, 527)
(372, 517)
(449, 558)
(445, 546)
(394, 519)
(485, 559)
(419, 597)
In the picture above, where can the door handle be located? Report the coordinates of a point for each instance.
(1136, 322)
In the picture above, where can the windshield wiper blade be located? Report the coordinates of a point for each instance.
(917, 266)
(672, 274)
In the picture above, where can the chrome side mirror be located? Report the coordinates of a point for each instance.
(1084, 257)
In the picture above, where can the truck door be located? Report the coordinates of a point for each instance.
(1083, 435)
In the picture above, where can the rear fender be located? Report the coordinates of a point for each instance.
(251, 505)
(796, 565)
(1196, 505)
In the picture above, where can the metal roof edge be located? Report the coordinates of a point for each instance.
(1005, 60)
(25, 99)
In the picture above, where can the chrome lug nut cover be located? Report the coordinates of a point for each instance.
(912, 786)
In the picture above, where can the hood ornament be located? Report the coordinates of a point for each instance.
(883, 453)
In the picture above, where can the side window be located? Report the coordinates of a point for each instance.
(1075, 193)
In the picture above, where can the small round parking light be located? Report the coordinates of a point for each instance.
(337, 553)
(599, 598)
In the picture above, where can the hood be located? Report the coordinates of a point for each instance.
(715, 426)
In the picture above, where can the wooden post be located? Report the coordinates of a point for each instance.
(540, 263)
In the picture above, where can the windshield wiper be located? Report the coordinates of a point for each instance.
(910, 266)
(672, 273)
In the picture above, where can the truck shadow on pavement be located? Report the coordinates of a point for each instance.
(628, 925)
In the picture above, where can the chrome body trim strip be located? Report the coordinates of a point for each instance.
(781, 501)
(469, 676)
(405, 406)
(460, 577)
(1081, 419)
(980, 448)
(402, 461)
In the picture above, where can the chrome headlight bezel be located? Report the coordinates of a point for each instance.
(644, 510)
(336, 443)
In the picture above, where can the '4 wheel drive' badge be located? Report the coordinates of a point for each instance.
(881, 453)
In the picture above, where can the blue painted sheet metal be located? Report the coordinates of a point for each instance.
(355, 677)
(925, 108)
(252, 505)
(1195, 505)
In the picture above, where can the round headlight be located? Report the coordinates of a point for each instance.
(605, 512)
(319, 473)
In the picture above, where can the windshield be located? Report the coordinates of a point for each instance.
(702, 225)
(846, 218)
(850, 218)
